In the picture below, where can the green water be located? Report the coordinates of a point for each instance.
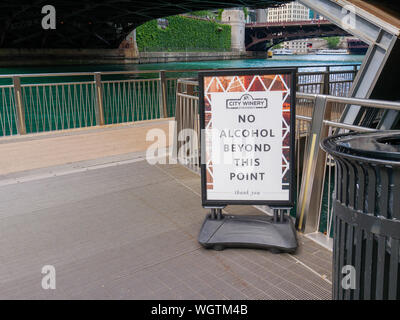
(72, 106)
(52, 108)
(277, 61)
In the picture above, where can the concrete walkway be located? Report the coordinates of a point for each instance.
(20, 153)
(119, 228)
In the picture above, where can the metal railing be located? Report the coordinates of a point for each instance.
(330, 81)
(131, 100)
(187, 124)
(58, 101)
(60, 106)
(31, 103)
(8, 112)
(316, 168)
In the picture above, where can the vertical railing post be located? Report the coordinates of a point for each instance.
(177, 126)
(325, 89)
(19, 106)
(99, 100)
(163, 95)
(312, 181)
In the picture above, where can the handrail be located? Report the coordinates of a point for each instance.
(54, 84)
(187, 96)
(380, 104)
(73, 74)
(288, 23)
(189, 82)
(347, 126)
(314, 73)
(337, 124)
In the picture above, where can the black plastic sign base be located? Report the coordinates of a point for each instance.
(234, 231)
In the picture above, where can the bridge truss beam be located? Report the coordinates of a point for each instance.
(380, 35)
(262, 38)
(102, 24)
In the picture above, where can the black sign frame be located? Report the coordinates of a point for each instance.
(207, 203)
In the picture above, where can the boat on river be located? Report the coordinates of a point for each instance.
(332, 51)
(282, 52)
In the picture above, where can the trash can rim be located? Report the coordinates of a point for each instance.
(381, 147)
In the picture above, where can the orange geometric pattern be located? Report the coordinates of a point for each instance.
(249, 83)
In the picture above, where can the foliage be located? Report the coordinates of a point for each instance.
(219, 14)
(278, 46)
(333, 42)
(182, 34)
(203, 13)
(246, 12)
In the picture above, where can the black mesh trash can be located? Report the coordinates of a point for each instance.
(366, 215)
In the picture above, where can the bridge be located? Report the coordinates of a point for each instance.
(261, 36)
(105, 24)
(93, 24)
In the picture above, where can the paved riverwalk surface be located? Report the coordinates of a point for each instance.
(115, 227)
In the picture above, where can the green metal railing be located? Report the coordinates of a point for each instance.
(8, 114)
(131, 100)
(61, 106)
(31, 103)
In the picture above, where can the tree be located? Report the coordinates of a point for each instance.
(246, 12)
(333, 42)
(219, 15)
(277, 46)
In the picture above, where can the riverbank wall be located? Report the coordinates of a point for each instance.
(51, 57)
(164, 57)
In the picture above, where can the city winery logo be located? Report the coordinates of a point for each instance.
(246, 101)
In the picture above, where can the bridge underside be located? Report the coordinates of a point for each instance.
(261, 39)
(93, 24)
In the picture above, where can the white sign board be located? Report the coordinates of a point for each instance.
(247, 122)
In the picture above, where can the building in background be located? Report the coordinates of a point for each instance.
(315, 16)
(297, 46)
(251, 15)
(261, 15)
(356, 46)
(287, 13)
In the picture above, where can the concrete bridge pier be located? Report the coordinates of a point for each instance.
(235, 18)
(131, 44)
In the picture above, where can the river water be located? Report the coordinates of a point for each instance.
(276, 61)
